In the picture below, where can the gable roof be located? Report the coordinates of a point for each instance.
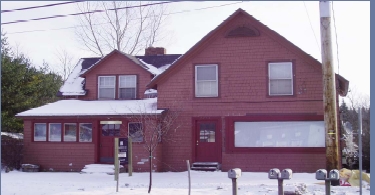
(75, 83)
(206, 39)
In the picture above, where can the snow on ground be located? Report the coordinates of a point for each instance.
(169, 183)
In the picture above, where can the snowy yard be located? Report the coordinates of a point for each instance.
(170, 183)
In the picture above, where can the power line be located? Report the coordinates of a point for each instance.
(337, 44)
(65, 28)
(308, 16)
(89, 12)
(41, 6)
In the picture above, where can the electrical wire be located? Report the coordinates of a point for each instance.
(35, 7)
(337, 44)
(89, 12)
(65, 28)
(308, 16)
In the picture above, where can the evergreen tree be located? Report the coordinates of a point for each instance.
(23, 87)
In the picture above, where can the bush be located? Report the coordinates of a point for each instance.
(11, 152)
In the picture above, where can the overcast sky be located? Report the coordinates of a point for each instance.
(297, 21)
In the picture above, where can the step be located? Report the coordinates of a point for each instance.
(101, 168)
(206, 166)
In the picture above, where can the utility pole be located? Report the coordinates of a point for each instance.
(329, 89)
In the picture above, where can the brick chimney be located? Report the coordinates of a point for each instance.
(155, 51)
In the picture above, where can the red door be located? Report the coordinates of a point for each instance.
(108, 132)
(207, 143)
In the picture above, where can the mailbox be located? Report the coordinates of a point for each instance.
(333, 174)
(273, 173)
(321, 174)
(234, 173)
(286, 174)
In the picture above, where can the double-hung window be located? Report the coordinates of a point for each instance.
(206, 80)
(106, 87)
(127, 86)
(280, 76)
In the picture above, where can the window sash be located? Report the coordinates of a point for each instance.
(40, 132)
(70, 132)
(85, 132)
(127, 86)
(106, 86)
(280, 78)
(206, 80)
(54, 132)
(135, 132)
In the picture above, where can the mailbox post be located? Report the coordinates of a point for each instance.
(234, 174)
(333, 175)
(280, 176)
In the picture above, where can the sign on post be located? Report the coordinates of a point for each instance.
(123, 150)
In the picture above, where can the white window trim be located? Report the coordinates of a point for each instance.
(196, 80)
(114, 87)
(119, 79)
(269, 78)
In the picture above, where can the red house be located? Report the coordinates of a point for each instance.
(248, 98)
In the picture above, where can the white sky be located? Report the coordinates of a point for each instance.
(297, 21)
(168, 183)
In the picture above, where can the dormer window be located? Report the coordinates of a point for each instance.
(106, 87)
(127, 86)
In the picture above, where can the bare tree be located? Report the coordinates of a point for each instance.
(65, 62)
(153, 128)
(124, 25)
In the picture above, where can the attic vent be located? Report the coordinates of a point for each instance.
(243, 31)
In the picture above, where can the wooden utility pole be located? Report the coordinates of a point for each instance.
(329, 88)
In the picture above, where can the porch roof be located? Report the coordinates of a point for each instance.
(95, 108)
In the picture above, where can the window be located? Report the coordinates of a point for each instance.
(111, 129)
(85, 132)
(40, 132)
(54, 132)
(127, 86)
(70, 132)
(279, 134)
(206, 80)
(136, 132)
(106, 87)
(280, 76)
(207, 132)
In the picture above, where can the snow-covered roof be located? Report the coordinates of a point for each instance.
(74, 85)
(13, 135)
(95, 108)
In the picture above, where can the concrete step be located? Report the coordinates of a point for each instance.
(101, 168)
(206, 166)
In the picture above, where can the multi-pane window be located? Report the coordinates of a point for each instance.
(70, 132)
(106, 88)
(85, 132)
(40, 132)
(127, 86)
(54, 132)
(206, 80)
(280, 78)
(136, 132)
(67, 132)
(207, 132)
(111, 129)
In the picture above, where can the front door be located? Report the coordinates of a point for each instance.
(207, 144)
(108, 132)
